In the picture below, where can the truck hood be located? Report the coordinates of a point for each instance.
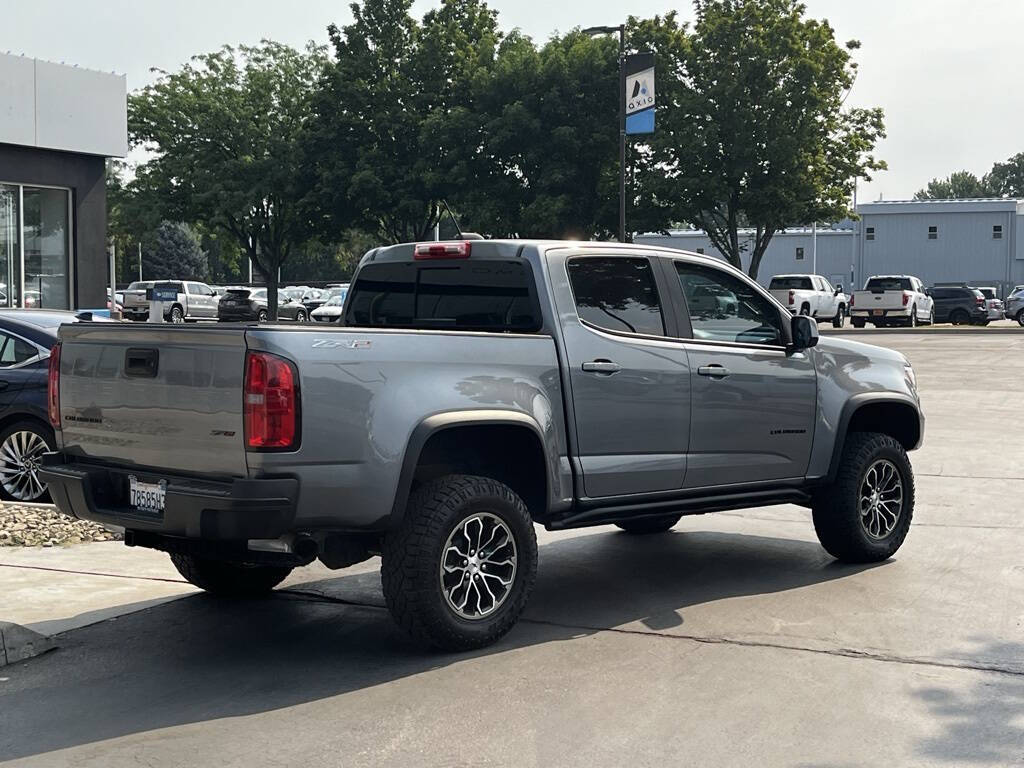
(849, 350)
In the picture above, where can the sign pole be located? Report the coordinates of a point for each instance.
(113, 285)
(622, 133)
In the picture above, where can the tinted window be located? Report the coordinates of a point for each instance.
(467, 295)
(14, 351)
(988, 293)
(790, 283)
(617, 294)
(724, 308)
(889, 284)
(940, 293)
(138, 286)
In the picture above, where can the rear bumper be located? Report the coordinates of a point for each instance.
(236, 315)
(212, 510)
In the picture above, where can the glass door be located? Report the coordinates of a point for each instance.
(10, 243)
(47, 250)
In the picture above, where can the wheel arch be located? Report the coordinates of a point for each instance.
(478, 442)
(892, 414)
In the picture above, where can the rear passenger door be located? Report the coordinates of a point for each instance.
(200, 300)
(753, 402)
(630, 379)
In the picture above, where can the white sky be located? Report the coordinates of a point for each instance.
(945, 71)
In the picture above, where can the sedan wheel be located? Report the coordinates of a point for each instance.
(300, 316)
(262, 316)
(21, 454)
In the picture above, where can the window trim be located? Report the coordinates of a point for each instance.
(799, 253)
(683, 320)
(669, 322)
(41, 353)
(869, 233)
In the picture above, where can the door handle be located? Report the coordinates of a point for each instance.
(714, 370)
(602, 366)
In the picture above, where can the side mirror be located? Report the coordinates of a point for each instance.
(804, 332)
(839, 289)
(927, 291)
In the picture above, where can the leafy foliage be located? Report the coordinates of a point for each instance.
(958, 185)
(174, 252)
(226, 136)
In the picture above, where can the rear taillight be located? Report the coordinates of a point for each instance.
(271, 403)
(53, 387)
(459, 250)
(979, 301)
(906, 298)
(792, 297)
(851, 299)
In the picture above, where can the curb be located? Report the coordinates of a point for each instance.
(18, 643)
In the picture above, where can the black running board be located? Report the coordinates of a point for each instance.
(694, 505)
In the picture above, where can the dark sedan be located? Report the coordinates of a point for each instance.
(26, 338)
(242, 305)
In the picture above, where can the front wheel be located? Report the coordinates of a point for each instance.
(864, 516)
(649, 525)
(840, 319)
(1020, 318)
(229, 579)
(460, 567)
(262, 316)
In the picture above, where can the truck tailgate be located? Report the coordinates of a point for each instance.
(154, 396)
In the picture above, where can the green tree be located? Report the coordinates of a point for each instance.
(390, 77)
(1007, 179)
(226, 137)
(174, 252)
(957, 186)
(752, 123)
(538, 157)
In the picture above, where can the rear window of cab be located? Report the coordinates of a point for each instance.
(465, 295)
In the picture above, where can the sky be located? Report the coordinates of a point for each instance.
(944, 71)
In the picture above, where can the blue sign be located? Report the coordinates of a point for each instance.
(638, 72)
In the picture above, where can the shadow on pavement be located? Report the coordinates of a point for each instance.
(983, 724)
(198, 658)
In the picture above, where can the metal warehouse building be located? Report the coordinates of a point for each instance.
(975, 241)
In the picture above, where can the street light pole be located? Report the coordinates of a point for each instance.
(621, 29)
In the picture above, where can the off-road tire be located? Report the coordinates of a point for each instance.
(228, 579)
(411, 561)
(837, 519)
(648, 525)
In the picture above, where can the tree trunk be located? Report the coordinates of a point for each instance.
(272, 285)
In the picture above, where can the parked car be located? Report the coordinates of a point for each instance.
(315, 298)
(477, 388)
(1014, 309)
(811, 295)
(251, 304)
(331, 311)
(26, 338)
(959, 305)
(992, 302)
(891, 300)
(196, 301)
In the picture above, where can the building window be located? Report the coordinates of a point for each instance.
(799, 254)
(997, 232)
(35, 247)
(700, 250)
(933, 233)
(869, 233)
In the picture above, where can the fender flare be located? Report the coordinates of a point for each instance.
(439, 422)
(855, 403)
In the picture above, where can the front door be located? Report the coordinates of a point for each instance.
(630, 382)
(753, 402)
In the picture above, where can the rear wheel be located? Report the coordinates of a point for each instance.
(912, 320)
(959, 317)
(229, 579)
(460, 567)
(805, 309)
(300, 316)
(22, 446)
(1020, 317)
(649, 525)
(864, 516)
(177, 314)
(262, 316)
(857, 322)
(840, 319)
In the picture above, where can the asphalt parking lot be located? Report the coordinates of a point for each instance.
(732, 641)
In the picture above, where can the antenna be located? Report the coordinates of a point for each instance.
(455, 221)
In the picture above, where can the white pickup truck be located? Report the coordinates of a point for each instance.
(892, 300)
(811, 295)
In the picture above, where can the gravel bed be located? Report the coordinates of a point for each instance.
(43, 526)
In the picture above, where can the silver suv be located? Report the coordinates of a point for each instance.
(1015, 305)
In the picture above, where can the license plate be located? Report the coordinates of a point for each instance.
(147, 497)
(878, 312)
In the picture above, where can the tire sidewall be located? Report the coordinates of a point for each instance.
(177, 316)
(885, 547)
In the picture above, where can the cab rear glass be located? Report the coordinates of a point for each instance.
(468, 295)
(889, 284)
(797, 283)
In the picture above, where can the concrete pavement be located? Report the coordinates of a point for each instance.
(734, 640)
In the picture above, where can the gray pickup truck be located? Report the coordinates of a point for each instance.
(474, 389)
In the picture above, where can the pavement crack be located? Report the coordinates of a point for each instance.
(849, 653)
(92, 573)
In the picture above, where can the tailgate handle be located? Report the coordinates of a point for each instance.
(141, 363)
